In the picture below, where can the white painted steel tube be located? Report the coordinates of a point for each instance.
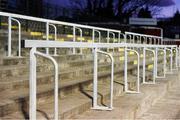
(55, 37)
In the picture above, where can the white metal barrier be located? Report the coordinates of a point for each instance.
(55, 37)
(171, 61)
(164, 62)
(95, 81)
(99, 35)
(144, 66)
(32, 83)
(54, 44)
(10, 19)
(125, 71)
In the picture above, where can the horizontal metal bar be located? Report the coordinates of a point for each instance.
(142, 35)
(54, 22)
(57, 44)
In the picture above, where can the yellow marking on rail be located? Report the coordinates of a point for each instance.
(121, 49)
(60, 39)
(150, 66)
(81, 38)
(121, 58)
(131, 53)
(50, 36)
(4, 24)
(90, 41)
(135, 62)
(70, 36)
(35, 33)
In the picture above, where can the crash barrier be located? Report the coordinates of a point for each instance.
(34, 44)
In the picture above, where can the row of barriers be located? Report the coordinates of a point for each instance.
(116, 35)
(115, 39)
(34, 44)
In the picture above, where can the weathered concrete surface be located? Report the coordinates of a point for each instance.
(130, 106)
(168, 107)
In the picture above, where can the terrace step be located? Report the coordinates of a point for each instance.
(70, 105)
(130, 106)
(167, 107)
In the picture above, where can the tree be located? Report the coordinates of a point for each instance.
(95, 8)
(126, 8)
(144, 13)
(176, 18)
(121, 9)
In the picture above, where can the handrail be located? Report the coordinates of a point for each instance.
(95, 81)
(144, 66)
(125, 71)
(33, 86)
(138, 34)
(10, 36)
(54, 22)
(53, 44)
(55, 37)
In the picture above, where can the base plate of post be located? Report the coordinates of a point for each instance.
(132, 92)
(102, 108)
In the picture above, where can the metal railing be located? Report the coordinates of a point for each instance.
(95, 81)
(79, 27)
(125, 71)
(32, 83)
(34, 44)
(144, 66)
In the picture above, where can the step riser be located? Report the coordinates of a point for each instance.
(43, 97)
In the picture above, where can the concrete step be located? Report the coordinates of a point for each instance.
(129, 106)
(7, 71)
(70, 105)
(167, 107)
(43, 93)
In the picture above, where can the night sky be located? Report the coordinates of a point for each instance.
(166, 11)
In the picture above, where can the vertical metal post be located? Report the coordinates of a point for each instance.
(156, 61)
(138, 72)
(47, 36)
(119, 37)
(81, 40)
(95, 79)
(19, 36)
(108, 40)
(144, 65)
(154, 68)
(56, 85)
(32, 83)
(55, 37)
(112, 82)
(171, 60)
(176, 57)
(125, 70)
(9, 36)
(74, 38)
(93, 36)
(165, 62)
